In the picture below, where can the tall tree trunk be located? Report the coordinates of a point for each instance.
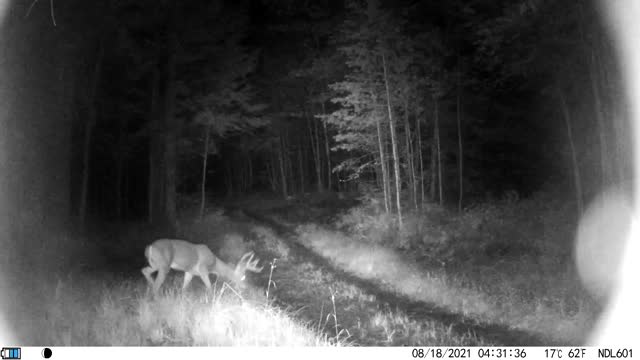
(272, 174)
(574, 158)
(88, 133)
(301, 167)
(409, 147)
(326, 148)
(394, 144)
(315, 148)
(420, 162)
(288, 162)
(383, 166)
(316, 134)
(283, 175)
(203, 182)
(460, 152)
(433, 164)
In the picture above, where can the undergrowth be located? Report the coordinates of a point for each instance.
(500, 262)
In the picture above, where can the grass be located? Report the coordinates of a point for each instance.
(350, 313)
(94, 294)
(121, 313)
(499, 263)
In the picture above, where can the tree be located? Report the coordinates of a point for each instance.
(227, 106)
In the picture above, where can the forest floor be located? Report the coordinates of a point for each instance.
(337, 272)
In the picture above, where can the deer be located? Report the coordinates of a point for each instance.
(193, 259)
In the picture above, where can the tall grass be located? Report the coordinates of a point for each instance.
(500, 262)
(82, 312)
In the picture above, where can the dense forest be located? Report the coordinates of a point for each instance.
(139, 111)
(146, 102)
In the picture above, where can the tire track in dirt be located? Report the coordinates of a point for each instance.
(417, 310)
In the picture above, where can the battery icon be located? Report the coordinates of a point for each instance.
(10, 353)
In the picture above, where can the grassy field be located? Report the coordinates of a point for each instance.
(507, 263)
(347, 278)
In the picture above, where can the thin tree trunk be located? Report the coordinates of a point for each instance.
(433, 163)
(378, 176)
(88, 133)
(574, 158)
(283, 175)
(301, 167)
(410, 165)
(438, 153)
(326, 149)
(272, 174)
(394, 145)
(315, 148)
(383, 166)
(289, 164)
(420, 163)
(316, 134)
(203, 182)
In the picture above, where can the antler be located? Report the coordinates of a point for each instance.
(250, 264)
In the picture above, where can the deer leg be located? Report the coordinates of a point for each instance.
(147, 271)
(187, 280)
(159, 280)
(205, 279)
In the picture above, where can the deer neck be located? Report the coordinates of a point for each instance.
(225, 270)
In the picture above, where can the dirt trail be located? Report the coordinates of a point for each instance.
(417, 310)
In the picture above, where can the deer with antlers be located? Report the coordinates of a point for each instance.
(193, 259)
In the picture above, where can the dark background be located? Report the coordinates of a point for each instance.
(110, 101)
